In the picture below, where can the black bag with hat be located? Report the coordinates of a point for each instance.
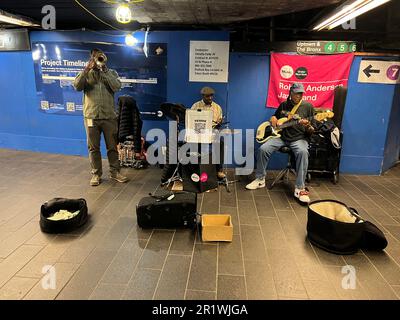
(337, 228)
(51, 207)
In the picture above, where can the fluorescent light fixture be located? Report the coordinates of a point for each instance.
(347, 11)
(13, 19)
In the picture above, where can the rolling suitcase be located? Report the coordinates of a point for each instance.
(168, 211)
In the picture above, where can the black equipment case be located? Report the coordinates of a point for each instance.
(323, 156)
(168, 211)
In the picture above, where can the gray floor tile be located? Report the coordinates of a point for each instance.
(320, 290)
(117, 234)
(373, 283)
(17, 260)
(48, 256)
(64, 272)
(394, 230)
(230, 259)
(172, 284)
(16, 239)
(227, 198)
(142, 285)
(85, 280)
(396, 289)
(388, 268)
(252, 243)
(329, 259)
(103, 260)
(287, 278)
(273, 234)
(345, 289)
(156, 250)
(16, 288)
(279, 200)
(231, 288)
(203, 272)
(210, 202)
(200, 295)
(183, 242)
(248, 213)
(259, 280)
(124, 264)
(264, 206)
(108, 292)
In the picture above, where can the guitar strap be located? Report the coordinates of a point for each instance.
(294, 110)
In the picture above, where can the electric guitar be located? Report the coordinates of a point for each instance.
(266, 131)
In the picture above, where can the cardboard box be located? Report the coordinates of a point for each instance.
(216, 227)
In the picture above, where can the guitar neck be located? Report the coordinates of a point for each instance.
(293, 122)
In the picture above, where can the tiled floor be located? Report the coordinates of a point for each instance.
(111, 258)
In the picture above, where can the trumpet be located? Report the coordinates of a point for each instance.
(100, 59)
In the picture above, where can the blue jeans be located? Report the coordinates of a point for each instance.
(300, 150)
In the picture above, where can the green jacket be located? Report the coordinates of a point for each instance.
(99, 88)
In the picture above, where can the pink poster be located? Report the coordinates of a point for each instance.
(319, 75)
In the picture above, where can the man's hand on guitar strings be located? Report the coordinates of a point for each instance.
(304, 122)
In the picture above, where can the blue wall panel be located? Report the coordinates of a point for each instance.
(65, 134)
(365, 124)
(370, 123)
(392, 149)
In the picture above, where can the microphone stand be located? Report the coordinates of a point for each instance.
(225, 181)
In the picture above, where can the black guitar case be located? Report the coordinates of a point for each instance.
(337, 228)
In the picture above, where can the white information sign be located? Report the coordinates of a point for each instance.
(209, 61)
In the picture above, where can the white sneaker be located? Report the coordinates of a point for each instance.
(302, 195)
(256, 184)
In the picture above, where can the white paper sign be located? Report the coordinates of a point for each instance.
(209, 61)
(378, 71)
(198, 125)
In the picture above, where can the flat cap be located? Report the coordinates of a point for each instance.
(207, 91)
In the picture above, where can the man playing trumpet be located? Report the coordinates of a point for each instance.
(99, 85)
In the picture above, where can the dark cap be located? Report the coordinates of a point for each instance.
(207, 91)
(297, 88)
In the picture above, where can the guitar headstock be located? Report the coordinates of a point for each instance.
(324, 115)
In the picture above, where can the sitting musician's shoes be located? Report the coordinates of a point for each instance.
(256, 184)
(302, 195)
(95, 181)
(118, 177)
(221, 175)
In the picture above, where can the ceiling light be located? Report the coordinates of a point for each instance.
(349, 10)
(130, 40)
(13, 19)
(123, 14)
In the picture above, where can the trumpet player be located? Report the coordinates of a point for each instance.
(99, 84)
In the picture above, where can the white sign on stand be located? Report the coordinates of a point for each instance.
(198, 125)
(378, 71)
(209, 61)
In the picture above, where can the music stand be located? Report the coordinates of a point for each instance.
(225, 181)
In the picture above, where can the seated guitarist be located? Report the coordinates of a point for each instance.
(294, 137)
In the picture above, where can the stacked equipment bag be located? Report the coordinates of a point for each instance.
(168, 211)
